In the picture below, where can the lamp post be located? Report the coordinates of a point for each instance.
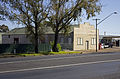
(101, 22)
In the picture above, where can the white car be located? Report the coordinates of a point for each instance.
(106, 45)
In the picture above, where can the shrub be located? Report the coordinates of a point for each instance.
(58, 45)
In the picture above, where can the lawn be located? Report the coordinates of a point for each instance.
(66, 52)
(39, 54)
(50, 53)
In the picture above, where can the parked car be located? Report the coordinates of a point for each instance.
(107, 45)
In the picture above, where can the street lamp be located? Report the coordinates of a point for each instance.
(107, 17)
(99, 23)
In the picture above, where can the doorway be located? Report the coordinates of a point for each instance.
(87, 45)
(16, 40)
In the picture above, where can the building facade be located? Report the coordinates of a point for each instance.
(85, 37)
(15, 39)
(1, 37)
(82, 37)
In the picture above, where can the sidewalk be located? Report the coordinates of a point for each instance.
(114, 49)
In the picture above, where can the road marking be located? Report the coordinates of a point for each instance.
(51, 67)
(55, 58)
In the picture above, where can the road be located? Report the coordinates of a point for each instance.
(88, 66)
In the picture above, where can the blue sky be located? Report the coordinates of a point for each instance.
(111, 25)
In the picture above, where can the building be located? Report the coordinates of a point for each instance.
(16, 35)
(82, 37)
(1, 37)
(85, 37)
(110, 39)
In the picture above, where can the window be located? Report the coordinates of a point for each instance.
(62, 40)
(79, 41)
(69, 40)
(93, 42)
(8, 36)
(16, 40)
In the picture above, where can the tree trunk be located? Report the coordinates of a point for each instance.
(36, 44)
(36, 39)
(55, 49)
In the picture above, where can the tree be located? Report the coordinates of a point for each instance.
(31, 13)
(4, 28)
(62, 12)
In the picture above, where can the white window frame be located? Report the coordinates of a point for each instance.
(79, 41)
(93, 41)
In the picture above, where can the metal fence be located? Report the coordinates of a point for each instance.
(23, 48)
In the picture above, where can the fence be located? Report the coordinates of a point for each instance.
(23, 48)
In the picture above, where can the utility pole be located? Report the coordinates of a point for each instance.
(96, 32)
(101, 22)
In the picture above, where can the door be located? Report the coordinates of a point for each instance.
(16, 40)
(87, 45)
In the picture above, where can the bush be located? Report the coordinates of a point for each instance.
(58, 45)
(66, 52)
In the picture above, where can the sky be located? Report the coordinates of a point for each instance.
(111, 25)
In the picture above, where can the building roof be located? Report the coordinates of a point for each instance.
(22, 30)
(108, 36)
(111, 36)
(17, 31)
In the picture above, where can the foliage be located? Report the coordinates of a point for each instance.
(66, 52)
(39, 54)
(58, 45)
(30, 54)
(30, 13)
(62, 12)
(57, 14)
(50, 53)
(4, 28)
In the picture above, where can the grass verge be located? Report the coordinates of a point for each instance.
(39, 54)
(66, 52)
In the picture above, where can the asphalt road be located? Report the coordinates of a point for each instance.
(90, 66)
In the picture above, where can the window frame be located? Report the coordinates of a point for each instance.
(9, 36)
(79, 41)
(93, 41)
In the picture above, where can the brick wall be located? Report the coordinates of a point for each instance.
(86, 32)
